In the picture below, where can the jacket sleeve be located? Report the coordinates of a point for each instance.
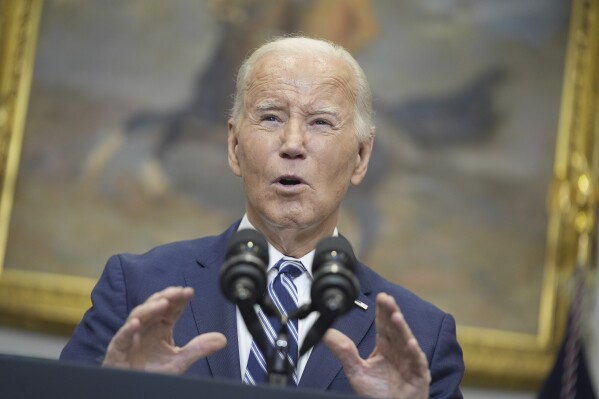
(447, 365)
(107, 314)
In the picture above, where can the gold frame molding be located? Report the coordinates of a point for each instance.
(30, 299)
(493, 357)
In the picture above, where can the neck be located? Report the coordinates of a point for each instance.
(294, 241)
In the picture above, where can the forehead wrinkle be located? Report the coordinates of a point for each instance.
(269, 73)
(319, 107)
(344, 84)
(268, 104)
(323, 110)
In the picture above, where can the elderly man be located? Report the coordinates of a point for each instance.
(300, 133)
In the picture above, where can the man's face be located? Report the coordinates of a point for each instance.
(295, 146)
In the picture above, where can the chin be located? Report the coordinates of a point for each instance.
(287, 219)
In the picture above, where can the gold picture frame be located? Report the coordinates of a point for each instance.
(493, 357)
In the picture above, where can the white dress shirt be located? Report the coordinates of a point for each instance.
(303, 284)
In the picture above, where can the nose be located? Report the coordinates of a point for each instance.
(293, 141)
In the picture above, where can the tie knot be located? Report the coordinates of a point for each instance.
(291, 267)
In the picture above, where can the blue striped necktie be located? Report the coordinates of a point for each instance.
(283, 294)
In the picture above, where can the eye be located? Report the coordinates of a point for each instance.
(269, 118)
(322, 122)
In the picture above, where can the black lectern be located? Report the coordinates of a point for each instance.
(29, 378)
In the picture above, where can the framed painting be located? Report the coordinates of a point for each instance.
(480, 194)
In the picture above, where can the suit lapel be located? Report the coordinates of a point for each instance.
(211, 310)
(322, 365)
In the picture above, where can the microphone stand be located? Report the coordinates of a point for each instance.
(278, 367)
(250, 317)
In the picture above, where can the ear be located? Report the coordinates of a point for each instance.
(232, 145)
(362, 158)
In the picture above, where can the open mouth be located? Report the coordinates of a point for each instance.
(289, 180)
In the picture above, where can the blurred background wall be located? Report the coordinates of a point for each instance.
(124, 145)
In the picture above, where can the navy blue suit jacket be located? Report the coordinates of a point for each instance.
(128, 280)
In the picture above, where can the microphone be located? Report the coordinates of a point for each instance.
(243, 277)
(335, 285)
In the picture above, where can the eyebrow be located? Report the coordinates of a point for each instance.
(268, 106)
(325, 110)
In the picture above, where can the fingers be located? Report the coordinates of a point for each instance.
(345, 350)
(166, 305)
(154, 318)
(390, 323)
(201, 346)
(178, 298)
(123, 340)
(419, 362)
(395, 339)
(145, 341)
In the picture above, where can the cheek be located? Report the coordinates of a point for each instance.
(338, 174)
(342, 166)
(253, 158)
(257, 163)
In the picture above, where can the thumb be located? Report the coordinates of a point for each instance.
(345, 350)
(201, 346)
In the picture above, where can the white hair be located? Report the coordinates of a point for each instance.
(363, 102)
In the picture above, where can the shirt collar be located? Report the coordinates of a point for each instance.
(274, 254)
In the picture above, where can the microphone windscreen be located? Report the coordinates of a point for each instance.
(247, 240)
(331, 248)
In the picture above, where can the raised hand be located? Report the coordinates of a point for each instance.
(145, 341)
(396, 368)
